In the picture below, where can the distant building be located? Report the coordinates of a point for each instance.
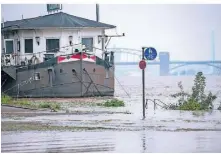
(164, 63)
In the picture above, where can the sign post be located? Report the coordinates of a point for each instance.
(142, 64)
(149, 54)
(143, 83)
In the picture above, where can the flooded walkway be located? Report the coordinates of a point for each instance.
(100, 129)
(162, 131)
(111, 141)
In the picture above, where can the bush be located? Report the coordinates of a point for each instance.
(44, 105)
(207, 103)
(198, 100)
(219, 108)
(190, 105)
(113, 103)
(10, 101)
(22, 102)
(5, 99)
(53, 107)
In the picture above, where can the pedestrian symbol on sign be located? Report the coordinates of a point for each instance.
(150, 53)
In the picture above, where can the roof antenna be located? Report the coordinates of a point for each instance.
(22, 17)
(97, 12)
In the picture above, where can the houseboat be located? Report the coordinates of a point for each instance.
(56, 55)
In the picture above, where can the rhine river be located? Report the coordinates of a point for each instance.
(161, 131)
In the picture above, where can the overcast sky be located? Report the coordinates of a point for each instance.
(183, 30)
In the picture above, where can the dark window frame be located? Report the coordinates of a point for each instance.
(61, 70)
(91, 49)
(49, 45)
(9, 40)
(19, 46)
(37, 76)
(32, 47)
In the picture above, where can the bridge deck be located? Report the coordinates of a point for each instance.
(172, 62)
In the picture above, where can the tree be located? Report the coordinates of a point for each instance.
(199, 88)
(198, 100)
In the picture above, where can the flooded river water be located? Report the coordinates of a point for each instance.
(125, 131)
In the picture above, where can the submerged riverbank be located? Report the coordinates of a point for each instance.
(161, 131)
(91, 128)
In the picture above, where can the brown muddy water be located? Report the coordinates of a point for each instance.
(122, 129)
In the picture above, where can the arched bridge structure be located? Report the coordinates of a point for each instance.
(127, 56)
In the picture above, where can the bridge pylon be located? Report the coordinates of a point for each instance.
(164, 63)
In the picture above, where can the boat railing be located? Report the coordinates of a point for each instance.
(16, 58)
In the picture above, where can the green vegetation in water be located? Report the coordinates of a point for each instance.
(219, 108)
(52, 106)
(198, 113)
(198, 100)
(7, 100)
(33, 126)
(112, 103)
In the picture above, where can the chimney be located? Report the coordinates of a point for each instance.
(97, 12)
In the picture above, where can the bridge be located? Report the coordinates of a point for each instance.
(126, 56)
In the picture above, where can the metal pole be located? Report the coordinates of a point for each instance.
(143, 82)
(81, 71)
(103, 44)
(97, 13)
(3, 37)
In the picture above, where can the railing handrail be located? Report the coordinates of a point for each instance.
(160, 102)
(155, 103)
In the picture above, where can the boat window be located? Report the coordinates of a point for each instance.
(52, 45)
(9, 46)
(28, 45)
(73, 71)
(37, 76)
(88, 42)
(50, 73)
(18, 46)
(61, 70)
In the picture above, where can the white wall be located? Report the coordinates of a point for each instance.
(62, 34)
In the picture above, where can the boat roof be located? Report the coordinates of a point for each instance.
(56, 20)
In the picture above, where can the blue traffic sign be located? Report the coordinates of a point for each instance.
(150, 53)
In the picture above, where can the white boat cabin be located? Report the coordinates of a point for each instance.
(48, 36)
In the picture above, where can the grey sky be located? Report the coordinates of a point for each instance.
(182, 30)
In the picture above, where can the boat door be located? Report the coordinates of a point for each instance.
(50, 76)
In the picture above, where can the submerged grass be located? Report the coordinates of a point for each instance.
(198, 113)
(7, 100)
(31, 126)
(219, 108)
(112, 103)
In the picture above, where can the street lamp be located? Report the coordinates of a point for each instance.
(70, 39)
